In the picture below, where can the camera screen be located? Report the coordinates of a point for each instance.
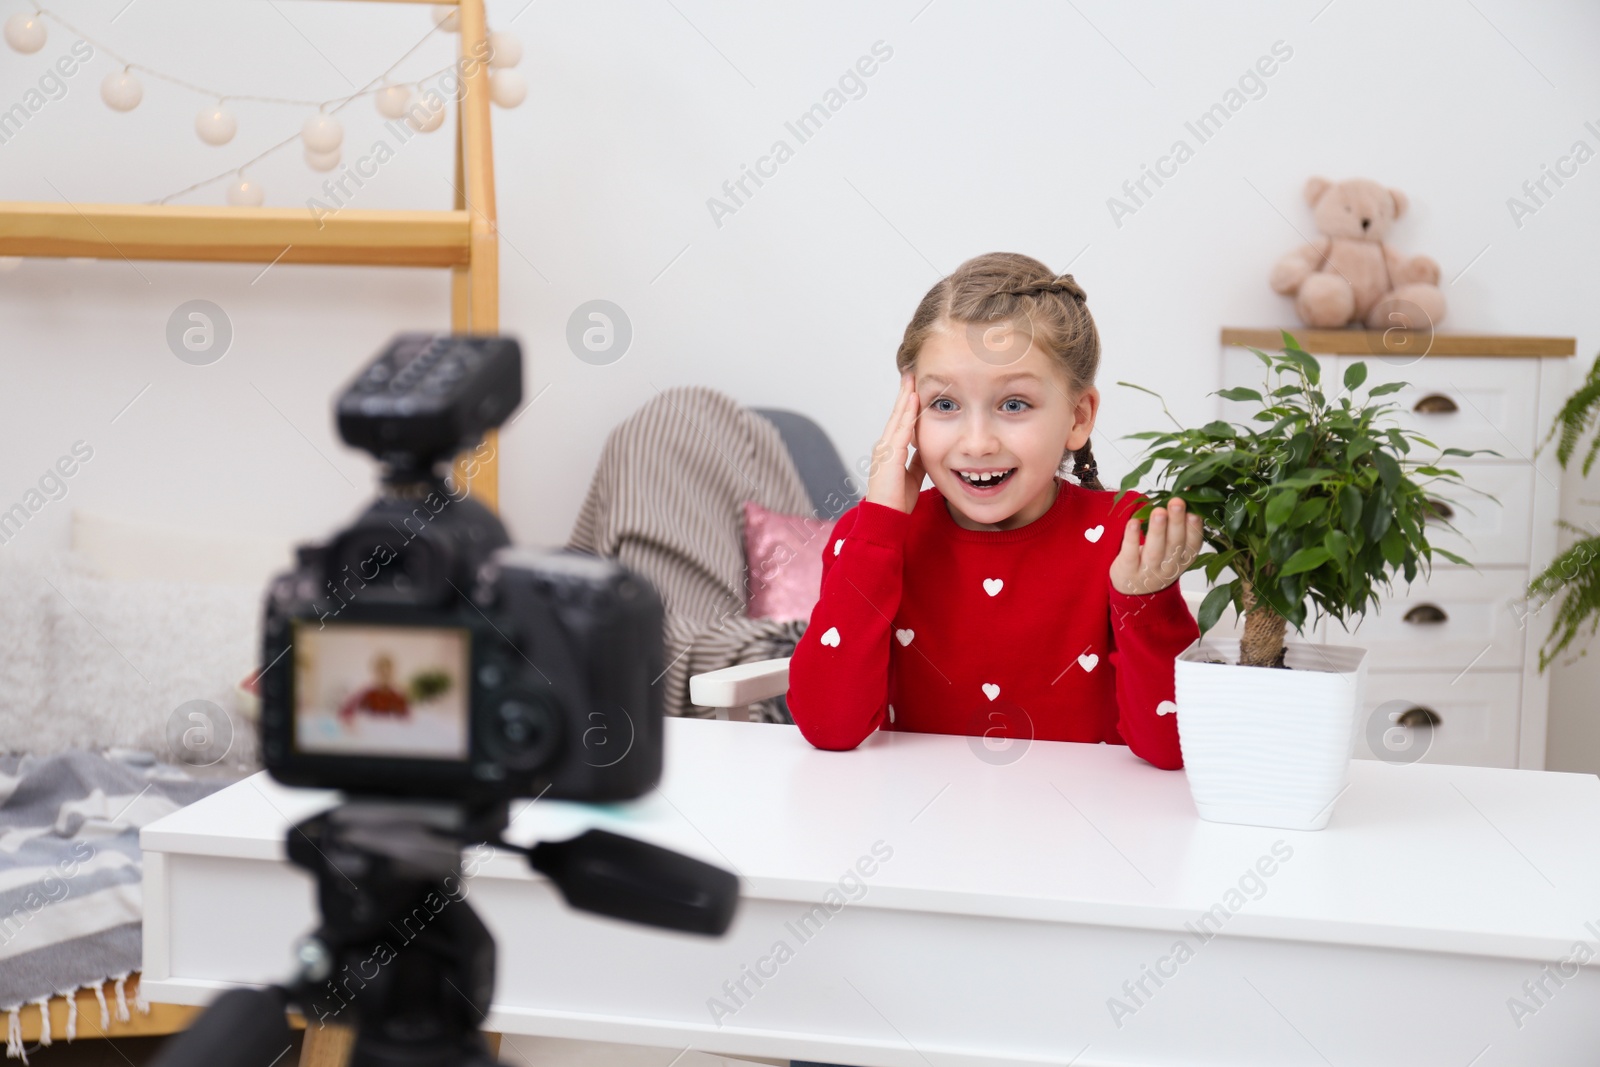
(363, 690)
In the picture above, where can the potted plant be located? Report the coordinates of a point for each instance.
(1574, 575)
(1318, 503)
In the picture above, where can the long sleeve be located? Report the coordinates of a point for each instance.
(1148, 630)
(839, 672)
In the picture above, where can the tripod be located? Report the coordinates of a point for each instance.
(399, 954)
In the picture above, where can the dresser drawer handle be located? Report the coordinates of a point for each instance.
(1418, 715)
(1435, 404)
(1439, 509)
(1426, 615)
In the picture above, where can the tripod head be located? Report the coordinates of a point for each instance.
(400, 955)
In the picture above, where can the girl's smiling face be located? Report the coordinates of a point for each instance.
(987, 409)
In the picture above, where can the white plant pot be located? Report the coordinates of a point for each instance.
(1265, 746)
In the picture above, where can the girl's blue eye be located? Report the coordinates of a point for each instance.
(947, 400)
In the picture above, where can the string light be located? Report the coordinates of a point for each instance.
(323, 161)
(322, 135)
(507, 88)
(216, 125)
(425, 117)
(121, 90)
(25, 33)
(394, 101)
(504, 49)
(245, 193)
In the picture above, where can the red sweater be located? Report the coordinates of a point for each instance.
(927, 626)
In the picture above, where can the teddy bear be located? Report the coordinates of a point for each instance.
(1351, 276)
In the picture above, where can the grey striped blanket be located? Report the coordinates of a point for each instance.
(666, 501)
(70, 907)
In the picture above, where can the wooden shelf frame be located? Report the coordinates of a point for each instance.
(465, 239)
(1353, 342)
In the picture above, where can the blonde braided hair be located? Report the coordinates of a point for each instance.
(1063, 284)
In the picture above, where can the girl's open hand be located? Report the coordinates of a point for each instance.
(1169, 547)
(890, 482)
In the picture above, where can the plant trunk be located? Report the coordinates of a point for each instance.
(1262, 644)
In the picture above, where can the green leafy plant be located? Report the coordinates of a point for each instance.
(1320, 504)
(427, 684)
(1573, 575)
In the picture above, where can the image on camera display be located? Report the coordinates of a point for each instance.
(381, 690)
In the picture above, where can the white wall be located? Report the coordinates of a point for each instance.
(992, 126)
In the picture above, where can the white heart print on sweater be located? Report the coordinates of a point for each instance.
(991, 690)
(831, 637)
(1088, 661)
(904, 636)
(1093, 534)
(992, 586)
(1166, 707)
(837, 545)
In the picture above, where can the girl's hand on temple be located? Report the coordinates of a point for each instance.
(1169, 547)
(890, 482)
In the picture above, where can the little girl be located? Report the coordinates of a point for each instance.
(1003, 600)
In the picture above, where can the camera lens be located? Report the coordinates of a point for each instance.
(524, 731)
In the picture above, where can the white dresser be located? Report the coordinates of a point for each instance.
(1459, 645)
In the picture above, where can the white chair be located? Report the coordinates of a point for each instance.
(741, 685)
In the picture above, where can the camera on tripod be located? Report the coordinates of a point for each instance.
(427, 668)
(419, 653)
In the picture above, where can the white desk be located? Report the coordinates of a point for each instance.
(1018, 900)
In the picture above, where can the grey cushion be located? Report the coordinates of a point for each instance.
(823, 472)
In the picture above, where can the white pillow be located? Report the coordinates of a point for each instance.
(131, 549)
(24, 649)
(92, 662)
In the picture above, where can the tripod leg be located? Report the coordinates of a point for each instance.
(327, 1046)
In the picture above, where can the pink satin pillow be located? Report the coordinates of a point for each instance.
(783, 562)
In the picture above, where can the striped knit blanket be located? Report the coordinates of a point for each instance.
(70, 905)
(666, 501)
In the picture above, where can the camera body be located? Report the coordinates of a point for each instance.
(418, 653)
